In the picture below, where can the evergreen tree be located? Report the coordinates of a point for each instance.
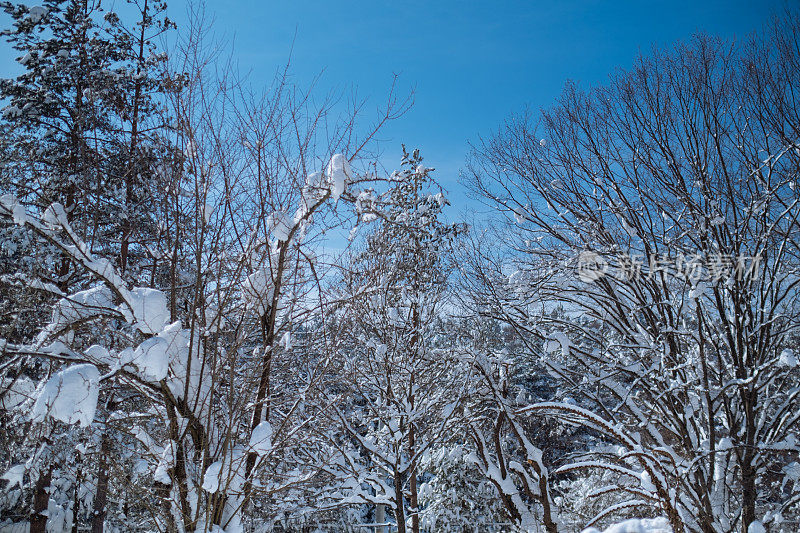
(83, 128)
(397, 366)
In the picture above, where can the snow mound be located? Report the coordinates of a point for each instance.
(286, 341)
(82, 305)
(165, 462)
(211, 477)
(69, 396)
(208, 210)
(100, 354)
(258, 289)
(698, 291)
(17, 210)
(36, 13)
(636, 525)
(152, 359)
(261, 439)
(558, 340)
(11, 111)
(315, 179)
(280, 225)
(338, 173)
(787, 359)
(149, 309)
(14, 476)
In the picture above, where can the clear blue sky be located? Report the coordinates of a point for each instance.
(471, 63)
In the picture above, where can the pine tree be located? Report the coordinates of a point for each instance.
(83, 127)
(395, 364)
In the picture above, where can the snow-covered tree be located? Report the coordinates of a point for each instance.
(82, 125)
(659, 212)
(66, 142)
(400, 386)
(176, 373)
(504, 448)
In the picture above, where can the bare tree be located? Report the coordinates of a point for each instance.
(671, 193)
(501, 439)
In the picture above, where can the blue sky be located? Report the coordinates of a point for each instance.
(471, 63)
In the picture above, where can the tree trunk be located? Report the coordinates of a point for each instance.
(164, 493)
(748, 457)
(399, 511)
(178, 472)
(412, 482)
(101, 497)
(380, 517)
(40, 500)
(76, 502)
(260, 410)
(748, 496)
